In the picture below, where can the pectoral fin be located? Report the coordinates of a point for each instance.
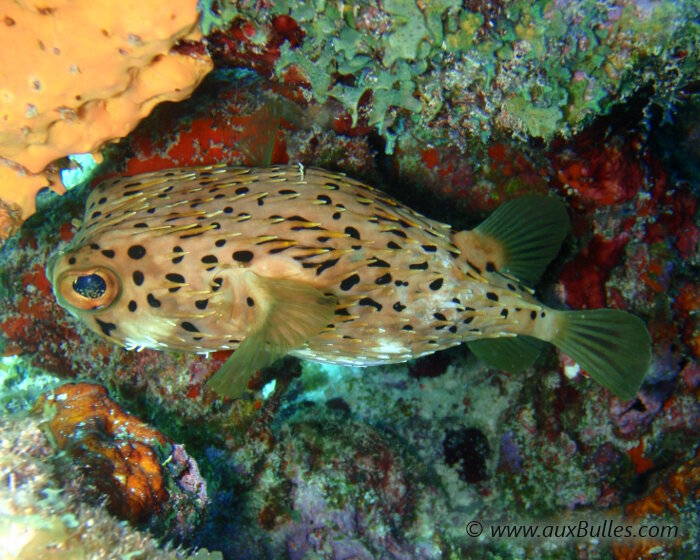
(288, 313)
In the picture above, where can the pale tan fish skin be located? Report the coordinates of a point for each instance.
(180, 241)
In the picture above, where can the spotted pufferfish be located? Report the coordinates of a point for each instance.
(287, 260)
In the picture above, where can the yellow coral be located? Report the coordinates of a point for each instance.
(75, 74)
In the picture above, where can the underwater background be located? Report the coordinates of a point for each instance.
(451, 107)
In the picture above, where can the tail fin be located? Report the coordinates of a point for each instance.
(613, 346)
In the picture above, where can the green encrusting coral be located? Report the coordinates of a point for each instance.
(519, 68)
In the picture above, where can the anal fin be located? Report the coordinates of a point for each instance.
(288, 313)
(509, 353)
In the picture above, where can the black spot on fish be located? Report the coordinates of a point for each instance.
(151, 211)
(533, 315)
(349, 282)
(398, 307)
(138, 277)
(287, 192)
(324, 198)
(152, 301)
(384, 279)
(220, 242)
(491, 296)
(436, 284)
(242, 190)
(136, 252)
(407, 328)
(189, 327)
(542, 314)
(243, 256)
(215, 225)
(472, 265)
(468, 320)
(392, 245)
(456, 300)
(510, 287)
(209, 259)
(325, 265)
(337, 215)
(228, 210)
(490, 267)
(398, 233)
(177, 249)
(344, 312)
(141, 225)
(250, 302)
(277, 250)
(94, 246)
(217, 284)
(106, 328)
(429, 248)
(201, 303)
(332, 186)
(132, 306)
(439, 316)
(379, 263)
(95, 215)
(504, 313)
(370, 302)
(352, 232)
(174, 277)
(308, 228)
(322, 239)
(452, 329)
(102, 200)
(72, 260)
(419, 266)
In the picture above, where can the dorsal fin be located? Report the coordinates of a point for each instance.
(520, 238)
(259, 140)
(287, 314)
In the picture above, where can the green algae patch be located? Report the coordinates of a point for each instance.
(540, 122)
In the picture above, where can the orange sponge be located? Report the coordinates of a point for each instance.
(75, 74)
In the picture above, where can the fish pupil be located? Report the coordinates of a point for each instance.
(91, 286)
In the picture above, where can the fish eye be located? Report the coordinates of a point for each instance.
(91, 286)
(91, 289)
